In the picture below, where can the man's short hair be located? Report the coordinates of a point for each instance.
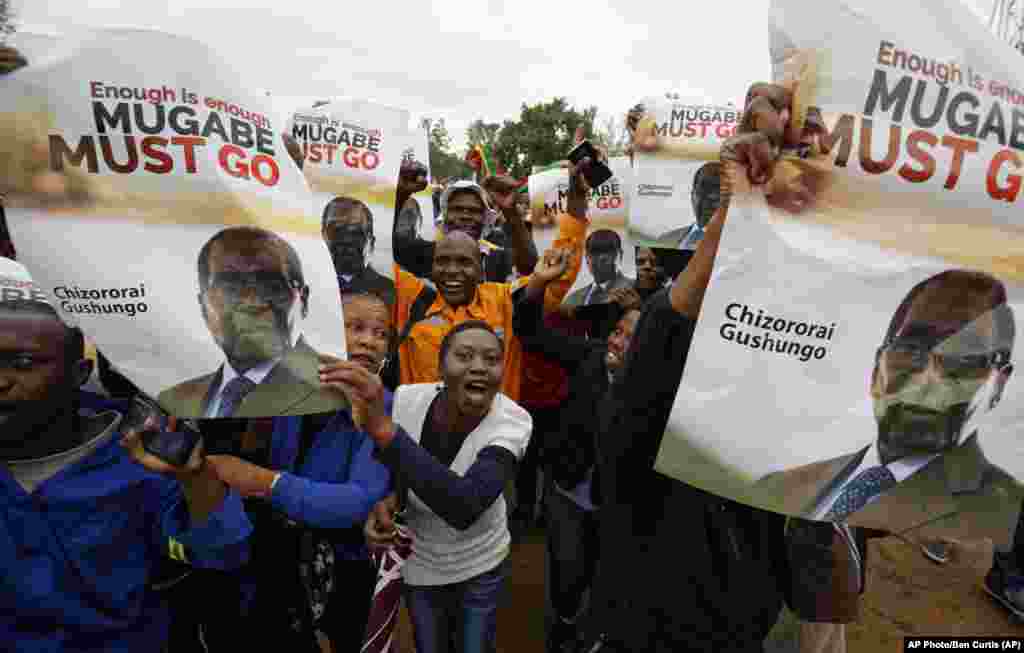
(603, 240)
(344, 205)
(977, 284)
(293, 265)
(74, 339)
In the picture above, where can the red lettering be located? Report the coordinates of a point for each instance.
(152, 147)
(241, 169)
(959, 146)
(868, 164)
(188, 145)
(923, 157)
(350, 157)
(1010, 191)
(261, 161)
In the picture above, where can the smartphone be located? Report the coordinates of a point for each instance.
(172, 441)
(597, 172)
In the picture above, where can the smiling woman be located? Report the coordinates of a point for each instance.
(451, 449)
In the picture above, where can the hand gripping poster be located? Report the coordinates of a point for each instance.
(674, 142)
(154, 202)
(855, 353)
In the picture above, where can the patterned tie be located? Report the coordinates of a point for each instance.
(234, 393)
(867, 485)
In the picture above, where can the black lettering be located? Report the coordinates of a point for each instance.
(59, 152)
(896, 100)
(120, 118)
(158, 121)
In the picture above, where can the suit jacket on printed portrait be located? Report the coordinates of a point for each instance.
(958, 494)
(291, 388)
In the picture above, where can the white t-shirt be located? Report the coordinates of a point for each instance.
(442, 554)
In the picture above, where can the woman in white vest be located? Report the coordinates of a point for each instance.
(451, 447)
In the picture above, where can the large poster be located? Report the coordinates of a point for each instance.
(152, 198)
(854, 357)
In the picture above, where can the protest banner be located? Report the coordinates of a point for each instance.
(125, 176)
(609, 205)
(686, 134)
(353, 148)
(608, 209)
(862, 314)
(382, 138)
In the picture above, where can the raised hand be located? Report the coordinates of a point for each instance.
(412, 177)
(552, 265)
(503, 191)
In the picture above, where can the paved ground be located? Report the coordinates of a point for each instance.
(521, 617)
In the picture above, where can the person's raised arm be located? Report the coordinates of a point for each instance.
(572, 232)
(528, 315)
(410, 251)
(458, 499)
(688, 289)
(504, 193)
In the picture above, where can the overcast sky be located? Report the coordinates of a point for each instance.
(455, 59)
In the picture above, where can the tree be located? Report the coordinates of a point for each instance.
(482, 133)
(443, 163)
(7, 26)
(542, 135)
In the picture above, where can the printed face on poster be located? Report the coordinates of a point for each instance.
(153, 200)
(855, 353)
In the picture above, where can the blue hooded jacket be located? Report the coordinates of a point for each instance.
(77, 555)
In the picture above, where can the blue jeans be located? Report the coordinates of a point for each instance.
(457, 618)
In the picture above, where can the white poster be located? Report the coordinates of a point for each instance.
(855, 353)
(153, 200)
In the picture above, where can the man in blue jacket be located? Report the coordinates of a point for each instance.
(85, 513)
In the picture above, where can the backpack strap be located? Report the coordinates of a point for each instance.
(417, 312)
(390, 372)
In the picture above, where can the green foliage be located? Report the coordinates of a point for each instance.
(542, 135)
(7, 26)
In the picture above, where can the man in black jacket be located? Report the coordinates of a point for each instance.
(568, 456)
(682, 569)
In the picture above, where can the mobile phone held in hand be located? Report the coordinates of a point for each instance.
(597, 172)
(172, 441)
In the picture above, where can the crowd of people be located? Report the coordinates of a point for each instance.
(471, 371)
